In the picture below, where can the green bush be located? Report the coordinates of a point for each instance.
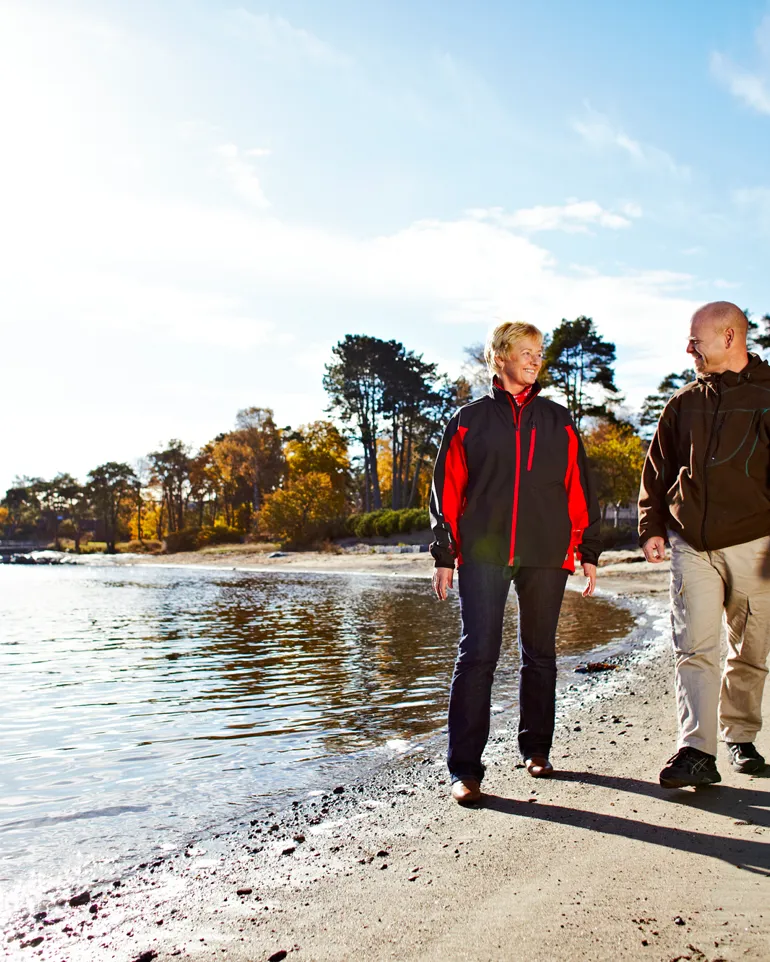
(385, 522)
(184, 540)
(139, 547)
(191, 538)
(414, 519)
(219, 533)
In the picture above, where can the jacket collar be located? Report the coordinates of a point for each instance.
(498, 392)
(755, 369)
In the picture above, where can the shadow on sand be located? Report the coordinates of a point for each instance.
(748, 805)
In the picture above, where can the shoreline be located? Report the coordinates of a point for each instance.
(620, 571)
(598, 860)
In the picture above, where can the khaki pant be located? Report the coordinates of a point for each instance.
(731, 584)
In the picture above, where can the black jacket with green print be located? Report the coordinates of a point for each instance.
(511, 486)
(707, 471)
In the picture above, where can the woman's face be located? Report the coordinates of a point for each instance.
(524, 362)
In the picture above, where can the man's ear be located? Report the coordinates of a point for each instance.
(729, 337)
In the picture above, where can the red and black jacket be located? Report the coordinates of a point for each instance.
(511, 486)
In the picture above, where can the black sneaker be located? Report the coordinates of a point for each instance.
(690, 766)
(745, 758)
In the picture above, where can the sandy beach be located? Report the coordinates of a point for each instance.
(597, 863)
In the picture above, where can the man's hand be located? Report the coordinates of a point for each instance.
(590, 572)
(655, 549)
(442, 580)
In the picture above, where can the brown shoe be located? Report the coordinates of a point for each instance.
(466, 791)
(538, 766)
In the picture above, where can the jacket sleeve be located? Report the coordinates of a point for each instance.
(654, 516)
(585, 515)
(447, 496)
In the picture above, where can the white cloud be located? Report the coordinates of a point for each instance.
(753, 88)
(274, 38)
(599, 132)
(241, 173)
(574, 217)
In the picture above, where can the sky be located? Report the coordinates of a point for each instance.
(198, 198)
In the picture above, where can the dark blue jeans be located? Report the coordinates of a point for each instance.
(483, 593)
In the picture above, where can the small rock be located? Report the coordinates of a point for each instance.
(382, 853)
(244, 891)
(93, 909)
(83, 899)
(289, 850)
(278, 956)
(679, 920)
(339, 790)
(742, 821)
(39, 916)
(146, 956)
(32, 942)
(299, 839)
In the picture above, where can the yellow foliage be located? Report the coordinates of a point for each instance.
(616, 453)
(318, 447)
(303, 511)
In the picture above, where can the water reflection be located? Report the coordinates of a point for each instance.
(143, 704)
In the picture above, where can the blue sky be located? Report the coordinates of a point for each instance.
(200, 198)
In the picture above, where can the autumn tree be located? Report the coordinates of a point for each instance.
(205, 483)
(303, 511)
(110, 489)
(578, 366)
(616, 454)
(263, 466)
(318, 447)
(228, 464)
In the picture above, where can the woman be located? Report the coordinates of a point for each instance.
(512, 500)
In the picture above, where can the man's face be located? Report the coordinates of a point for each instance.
(524, 362)
(706, 346)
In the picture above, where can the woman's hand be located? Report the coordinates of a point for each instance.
(442, 580)
(590, 572)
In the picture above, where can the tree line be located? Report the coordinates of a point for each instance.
(387, 408)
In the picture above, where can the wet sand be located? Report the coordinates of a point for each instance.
(598, 863)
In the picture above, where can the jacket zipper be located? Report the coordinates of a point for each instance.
(517, 474)
(531, 448)
(706, 467)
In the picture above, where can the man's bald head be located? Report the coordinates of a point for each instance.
(723, 314)
(718, 334)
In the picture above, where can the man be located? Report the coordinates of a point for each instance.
(512, 502)
(706, 486)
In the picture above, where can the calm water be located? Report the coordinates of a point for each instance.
(143, 705)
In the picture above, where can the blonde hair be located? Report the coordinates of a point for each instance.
(502, 338)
